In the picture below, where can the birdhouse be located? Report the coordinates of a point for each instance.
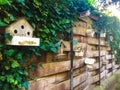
(90, 32)
(61, 49)
(79, 49)
(22, 34)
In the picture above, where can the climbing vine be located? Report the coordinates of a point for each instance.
(110, 25)
(52, 21)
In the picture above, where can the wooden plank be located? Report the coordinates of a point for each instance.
(57, 78)
(109, 74)
(103, 74)
(80, 38)
(75, 46)
(102, 69)
(55, 67)
(80, 24)
(91, 47)
(79, 31)
(94, 66)
(91, 53)
(94, 41)
(108, 66)
(93, 73)
(81, 86)
(94, 79)
(65, 85)
(116, 66)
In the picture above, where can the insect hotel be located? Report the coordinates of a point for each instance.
(22, 34)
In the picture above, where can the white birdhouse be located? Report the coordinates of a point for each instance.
(22, 33)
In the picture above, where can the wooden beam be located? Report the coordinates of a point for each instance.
(65, 85)
(79, 31)
(55, 67)
(82, 86)
(91, 53)
(94, 41)
(108, 66)
(94, 79)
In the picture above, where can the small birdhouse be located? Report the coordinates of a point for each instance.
(20, 28)
(90, 32)
(22, 34)
(61, 49)
(79, 49)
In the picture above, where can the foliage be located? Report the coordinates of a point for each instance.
(52, 20)
(110, 25)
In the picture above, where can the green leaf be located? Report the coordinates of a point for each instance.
(19, 56)
(2, 78)
(2, 24)
(40, 65)
(53, 49)
(15, 64)
(21, 1)
(25, 85)
(7, 67)
(2, 2)
(8, 36)
(10, 52)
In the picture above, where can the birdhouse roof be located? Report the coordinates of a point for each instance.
(22, 22)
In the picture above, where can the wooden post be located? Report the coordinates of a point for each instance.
(71, 63)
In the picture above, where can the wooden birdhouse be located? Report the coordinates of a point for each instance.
(22, 33)
(90, 32)
(20, 28)
(79, 49)
(61, 49)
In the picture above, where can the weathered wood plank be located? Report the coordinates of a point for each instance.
(109, 74)
(56, 78)
(94, 79)
(103, 74)
(91, 47)
(80, 38)
(108, 66)
(65, 85)
(94, 66)
(55, 67)
(91, 53)
(79, 31)
(81, 86)
(94, 41)
(80, 24)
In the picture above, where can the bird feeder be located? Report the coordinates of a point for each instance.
(22, 34)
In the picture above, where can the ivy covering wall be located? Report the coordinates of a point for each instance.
(51, 19)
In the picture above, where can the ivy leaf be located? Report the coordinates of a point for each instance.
(8, 36)
(25, 85)
(53, 49)
(9, 52)
(2, 78)
(40, 65)
(2, 24)
(19, 56)
(15, 64)
(2, 2)
(22, 2)
(43, 47)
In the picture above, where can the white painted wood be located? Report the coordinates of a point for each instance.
(24, 41)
